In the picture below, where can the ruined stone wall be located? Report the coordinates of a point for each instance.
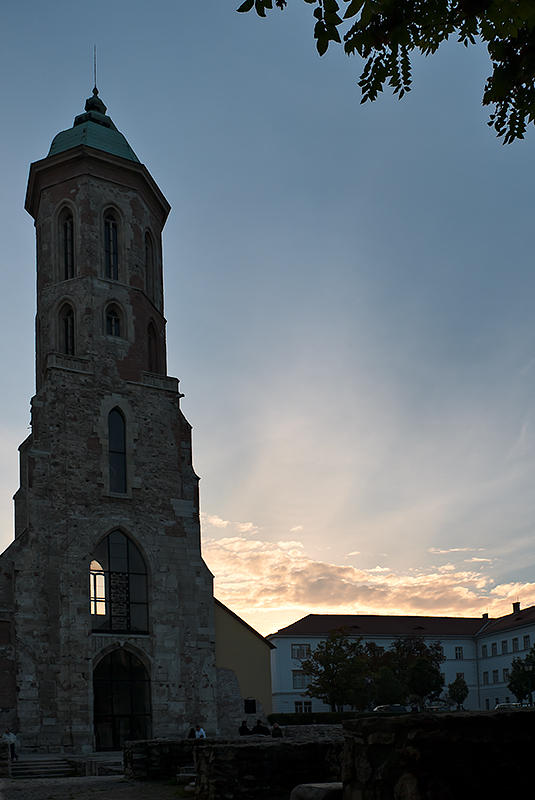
(439, 757)
(249, 769)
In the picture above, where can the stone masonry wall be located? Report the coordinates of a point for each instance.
(245, 768)
(440, 757)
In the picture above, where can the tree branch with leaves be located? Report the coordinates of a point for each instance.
(385, 33)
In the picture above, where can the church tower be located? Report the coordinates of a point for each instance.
(112, 635)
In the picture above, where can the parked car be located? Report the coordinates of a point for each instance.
(507, 706)
(391, 709)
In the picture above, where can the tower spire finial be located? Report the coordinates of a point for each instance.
(95, 90)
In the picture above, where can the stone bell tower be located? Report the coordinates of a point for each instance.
(111, 632)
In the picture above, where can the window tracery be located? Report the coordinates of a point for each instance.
(118, 585)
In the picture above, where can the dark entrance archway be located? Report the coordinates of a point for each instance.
(122, 709)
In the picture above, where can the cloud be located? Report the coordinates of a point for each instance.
(214, 521)
(257, 578)
(246, 527)
(475, 559)
(296, 529)
(354, 553)
(438, 550)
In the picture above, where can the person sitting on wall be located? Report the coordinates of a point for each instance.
(260, 729)
(276, 730)
(244, 730)
(199, 732)
(191, 733)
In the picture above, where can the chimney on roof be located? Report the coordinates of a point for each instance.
(485, 615)
(516, 607)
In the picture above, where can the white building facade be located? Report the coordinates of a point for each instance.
(479, 649)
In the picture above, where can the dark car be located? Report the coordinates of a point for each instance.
(391, 709)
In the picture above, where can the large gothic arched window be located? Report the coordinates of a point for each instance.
(66, 330)
(111, 246)
(66, 239)
(118, 586)
(117, 451)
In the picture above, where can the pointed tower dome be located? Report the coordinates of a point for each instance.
(93, 129)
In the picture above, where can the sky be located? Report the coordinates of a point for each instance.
(349, 296)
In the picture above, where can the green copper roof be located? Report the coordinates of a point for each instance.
(93, 129)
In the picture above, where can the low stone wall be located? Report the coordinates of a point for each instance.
(439, 757)
(5, 760)
(159, 758)
(247, 770)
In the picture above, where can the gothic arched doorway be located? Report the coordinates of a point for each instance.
(121, 691)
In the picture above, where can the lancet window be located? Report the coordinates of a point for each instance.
(117, 451)
(111, 245)
(149, 266)
(66, 330)
(66, 238)
(152, 346)
(113, 321)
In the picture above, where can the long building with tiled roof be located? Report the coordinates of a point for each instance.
(480, 649)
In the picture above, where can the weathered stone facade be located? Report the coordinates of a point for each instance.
(100, 347)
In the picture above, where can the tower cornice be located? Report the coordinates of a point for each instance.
(84, 160)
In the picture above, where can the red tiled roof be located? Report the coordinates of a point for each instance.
(382, 625)
(525, 616)
(376, 625)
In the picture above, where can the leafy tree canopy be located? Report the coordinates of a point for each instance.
(458, 691)
(337, 669)
(343, 671)
(522, 677)
(386, 32)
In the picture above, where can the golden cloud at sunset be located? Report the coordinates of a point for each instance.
(275, 583)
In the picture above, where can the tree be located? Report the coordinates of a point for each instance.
(458, 691)
(338, 670)
(522, 677)
(424, 680)
(386, 32)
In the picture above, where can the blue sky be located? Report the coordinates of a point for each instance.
(348, 293)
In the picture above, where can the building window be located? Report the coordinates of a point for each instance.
(485, 679)
(526, 642)
(495, 676)
(494, 649)
(300, 651)
(111, 253)
(118, 586)
(152, 344)
(504, 647)
(515, 645)
(298, 707)
(113, 321)
(484, 651)
(149, 266)
(459, 653)
(249, 705)
(66, 330)
(487, 704)
(97, 580)
(307, 707)
(66, 236)
(506, 674)
(299, 679)
(117, 451)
